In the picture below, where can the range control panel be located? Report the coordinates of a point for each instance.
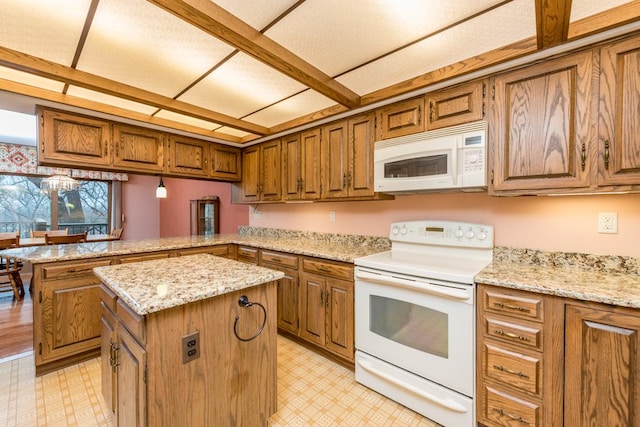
(446, 233)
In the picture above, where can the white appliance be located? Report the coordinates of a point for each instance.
(415, 317)
(449, 158)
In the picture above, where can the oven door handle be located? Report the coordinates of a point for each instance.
(411, 284)
(446, 403)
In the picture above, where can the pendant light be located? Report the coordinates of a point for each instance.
(59, 182)
(161, 191)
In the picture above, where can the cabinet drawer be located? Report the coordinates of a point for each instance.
(521, 371)
(529, 335)
(515, 304)
(505, 410)
(108, 298)
(218, 250)
(143, 257)
(341, 271)
(132, 321)
(81, 268)
(247, 254)
(279, 258)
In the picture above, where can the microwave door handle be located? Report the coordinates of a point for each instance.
(426, 287)
(454, 163)
(446, 403)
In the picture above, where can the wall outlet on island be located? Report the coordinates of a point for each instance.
(608, 222)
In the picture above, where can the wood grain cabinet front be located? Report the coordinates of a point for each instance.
(225, 162)
(262, 174)
(301, 165)
(456, 105)
(401, 118)
(188, 156)
(138, 149)
(288, 287)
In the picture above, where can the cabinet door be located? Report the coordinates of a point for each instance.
(310, 165)
(339, 317)
(619, 124)
(188, 156)
(73, 140)
(457, 105)
(542, 126)
(108, 341)
(402, 118)
(291, 167)
(138, 149)
(602, 362)
(361, 139)
(130, 382)
(250, 186)
(225, 162)
(335, 160)
(287, 299)
(312, 309)
(270, 171)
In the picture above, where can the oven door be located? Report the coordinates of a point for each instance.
(423, 326)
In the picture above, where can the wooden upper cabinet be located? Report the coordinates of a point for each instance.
(137, 148)
(456, 105)
(226, 162)
(401, 118)
(543, 127)
(335, 160)
(188, 156)
(262, 174)
(619, 124)
(67, 139)
(249, 189)
(301, 166)
(361, 132)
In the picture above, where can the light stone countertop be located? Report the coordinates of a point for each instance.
(606, 279)
(151, 286)
(336, 247)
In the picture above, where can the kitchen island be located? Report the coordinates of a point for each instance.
(189, 342)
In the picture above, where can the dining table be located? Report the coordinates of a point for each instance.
(39, 241)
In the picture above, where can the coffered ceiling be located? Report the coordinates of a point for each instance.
(240, 71)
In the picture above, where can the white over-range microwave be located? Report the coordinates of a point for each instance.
(449, 158)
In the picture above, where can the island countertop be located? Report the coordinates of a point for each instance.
(151, 286)
(336, 247)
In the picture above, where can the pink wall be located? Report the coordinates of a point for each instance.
(174, 210)
(140, 207)
(561, 223)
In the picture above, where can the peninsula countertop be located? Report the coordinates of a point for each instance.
(611, 280)
(151, 286)
(336, 247)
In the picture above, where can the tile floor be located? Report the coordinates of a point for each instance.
(312, 391)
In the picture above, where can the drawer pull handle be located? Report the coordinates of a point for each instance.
(511, 335)
(513, 417)
(274, 259)
(509, 371)
(325, 269)
(512, 307)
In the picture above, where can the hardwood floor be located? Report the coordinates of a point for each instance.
(16, 324)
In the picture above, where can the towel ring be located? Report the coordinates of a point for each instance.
(243, 301)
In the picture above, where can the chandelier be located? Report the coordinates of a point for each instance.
(59, 182)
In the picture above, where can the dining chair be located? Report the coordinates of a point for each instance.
(64, 239)
(62, 232)
(10, 279)
(116, 233)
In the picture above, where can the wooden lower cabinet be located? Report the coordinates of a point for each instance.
(549, 361)
(602, 359)
(326, 306)
(147, 382)
(287, 287)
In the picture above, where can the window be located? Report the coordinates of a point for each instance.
(24, 207)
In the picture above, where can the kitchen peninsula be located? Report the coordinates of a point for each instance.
(198, 332)
(66, 293)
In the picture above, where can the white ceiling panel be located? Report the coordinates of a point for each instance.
(137, 43)
(48, 29)
(241, 86)
(257, 13)
(110, 100)
(30, 79)
(584, 8)
(510, 23)
(337, 35)
(233, 132)
(303, 103)
(187, 120)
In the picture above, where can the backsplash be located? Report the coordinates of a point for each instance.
(597, 263)
(382, 243)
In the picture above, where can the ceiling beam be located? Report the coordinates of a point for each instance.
(552, 22)
(41, 67)
(214, 20)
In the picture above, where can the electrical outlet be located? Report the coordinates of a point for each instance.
(332, 216)
(190, 347)
(608, 222)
